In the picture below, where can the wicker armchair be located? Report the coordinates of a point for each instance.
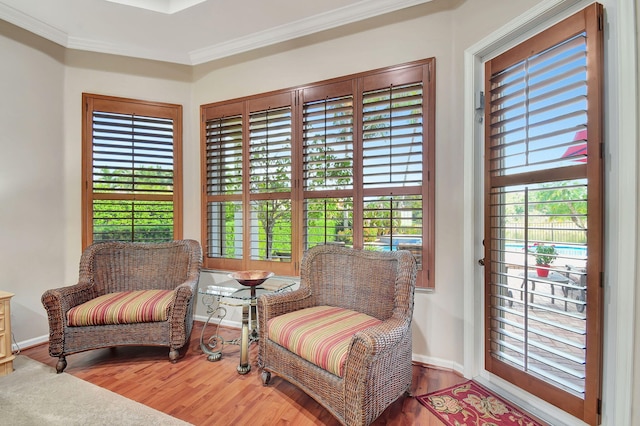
(377, 368)
(115, 267)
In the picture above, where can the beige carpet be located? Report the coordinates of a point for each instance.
(35, 395)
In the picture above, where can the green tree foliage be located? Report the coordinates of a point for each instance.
(328, 220)
(563, 200)
(133, 220)
(271, 174)
(556, 212)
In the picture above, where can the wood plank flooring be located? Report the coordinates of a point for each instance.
(213, 393)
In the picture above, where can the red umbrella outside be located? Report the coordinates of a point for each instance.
(579, 150)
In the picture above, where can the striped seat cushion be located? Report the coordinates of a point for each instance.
(320, 335)
(125, 307)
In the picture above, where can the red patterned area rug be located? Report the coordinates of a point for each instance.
(469, 404)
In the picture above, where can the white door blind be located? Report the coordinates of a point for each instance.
(539, 111)
(543, 216)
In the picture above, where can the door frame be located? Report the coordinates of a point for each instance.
(621, 189)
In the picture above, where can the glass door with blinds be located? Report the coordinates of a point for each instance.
(543, 214)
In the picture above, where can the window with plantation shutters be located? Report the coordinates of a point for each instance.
(132, 181)
(224, 186)
(328, 165)
(393, 168)
(543, 214)
(392, 136)
(270, 167)
(347, 161)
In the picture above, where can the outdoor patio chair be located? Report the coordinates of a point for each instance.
(579, 278)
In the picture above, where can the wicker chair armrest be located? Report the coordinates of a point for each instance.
(383, 337)
(275, 304)
(375, 343)
(183, 295)
(181, 314)
(57, 302)
(373, 362)
(64, 298)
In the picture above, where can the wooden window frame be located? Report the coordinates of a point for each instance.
(94, 102)
(354, 84)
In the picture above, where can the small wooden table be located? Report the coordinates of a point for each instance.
(6, 354)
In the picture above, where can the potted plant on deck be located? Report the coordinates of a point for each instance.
(544, 255)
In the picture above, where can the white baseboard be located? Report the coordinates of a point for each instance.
(15, 347)
(23, 344)
(431, 361)
(444, 364)
(225, 323)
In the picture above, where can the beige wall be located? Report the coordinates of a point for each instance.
(41, 85)
(32, 167)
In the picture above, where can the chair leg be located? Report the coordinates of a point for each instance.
(266, 376)
(61, 364)
(174, 355)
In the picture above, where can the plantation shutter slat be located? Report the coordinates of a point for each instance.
(225, 229)
(270, 174)
(393, 159)
(224, 155)
(400, 217)
(328, 144)
(392, 136)
(270, 150)
(139, 161)
(549, 104)
(224, 181)
(328, 169)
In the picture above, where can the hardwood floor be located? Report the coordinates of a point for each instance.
(213, 393)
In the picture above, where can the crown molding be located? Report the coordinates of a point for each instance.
(100, 46)
(31, 24)
(346, 15)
